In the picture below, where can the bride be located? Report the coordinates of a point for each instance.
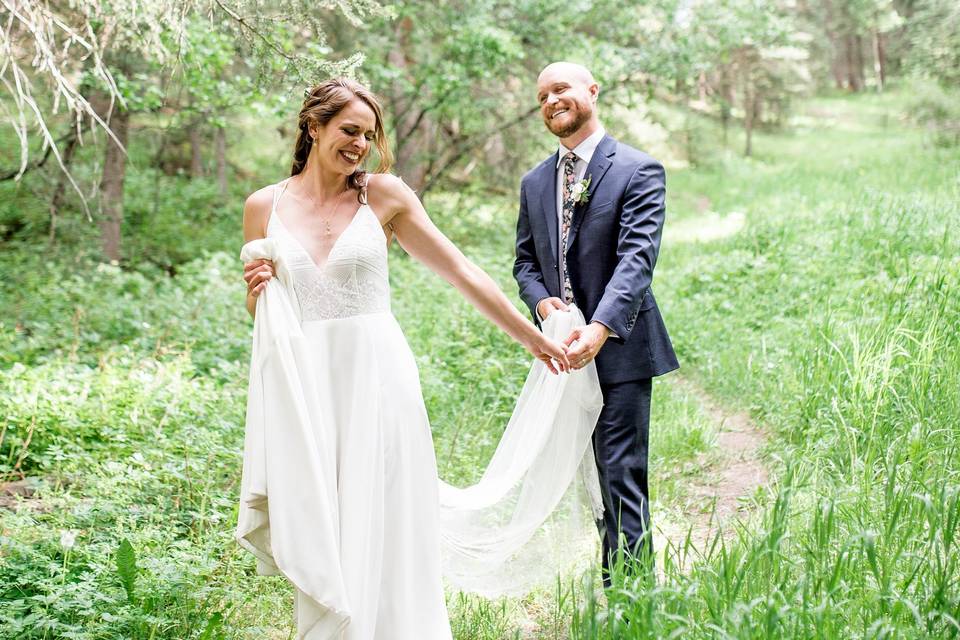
(340, 491)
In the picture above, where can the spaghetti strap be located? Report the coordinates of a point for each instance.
(277, 192)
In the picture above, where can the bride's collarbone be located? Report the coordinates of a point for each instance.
(314, 231)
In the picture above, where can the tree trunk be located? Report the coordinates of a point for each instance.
(838, 47)
(837, 64)
(749, 108)
(688, 133)
(853, 74)
(413, 126)
(60, 190)
(196, 155)
(748, 114)
(726, 100)
(111, 184)
(858, 56)
(220, 144)
(878, 62)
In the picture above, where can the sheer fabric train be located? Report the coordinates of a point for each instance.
(510, 532)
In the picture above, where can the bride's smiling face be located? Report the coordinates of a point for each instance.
(342, 144)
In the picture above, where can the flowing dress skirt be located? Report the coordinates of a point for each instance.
(340, 491)
(369, 387)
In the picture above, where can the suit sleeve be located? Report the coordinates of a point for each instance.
(641, 223)
(526, 267)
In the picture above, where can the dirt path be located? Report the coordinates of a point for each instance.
(712, 501)
(732, 473)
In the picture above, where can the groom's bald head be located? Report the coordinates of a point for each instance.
(567, 93)
(569, 70)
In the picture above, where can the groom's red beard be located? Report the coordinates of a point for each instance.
(580, 118)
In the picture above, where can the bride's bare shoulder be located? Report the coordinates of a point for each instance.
(260, 199)
(388, 195)
(256, 212)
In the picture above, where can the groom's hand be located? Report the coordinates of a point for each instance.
(548, 305)
(588, 341)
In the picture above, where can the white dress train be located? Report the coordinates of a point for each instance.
(340, 491)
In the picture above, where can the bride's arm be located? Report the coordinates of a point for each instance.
(256, 211)
(401, 211)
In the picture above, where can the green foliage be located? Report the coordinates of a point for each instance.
(127, 568)
(216, 621)
(81, 311)
(832, 317)
(135, 433)
(934, 35)
(134, 453)
(164, 213)
(938, 110)
(459, 79)
(217, 73)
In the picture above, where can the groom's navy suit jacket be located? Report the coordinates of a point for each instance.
(612, 248)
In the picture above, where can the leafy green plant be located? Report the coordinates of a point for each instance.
(126, 559)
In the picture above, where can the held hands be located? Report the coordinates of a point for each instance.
(256, 274)
(548, 351)
(581, 346)
(584, 344)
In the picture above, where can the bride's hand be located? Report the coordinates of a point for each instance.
(257, 274)
(548, 351)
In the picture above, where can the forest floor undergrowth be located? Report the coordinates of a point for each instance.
(803, 461)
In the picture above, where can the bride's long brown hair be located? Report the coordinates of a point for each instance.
(320, 105)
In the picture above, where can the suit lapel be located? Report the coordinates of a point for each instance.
(597, 168)
(548, 201)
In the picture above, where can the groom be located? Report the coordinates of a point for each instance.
(589, 232)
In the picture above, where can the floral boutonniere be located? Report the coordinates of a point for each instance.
(580, 191)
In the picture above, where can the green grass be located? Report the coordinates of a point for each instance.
(831, 317)
(124, 396)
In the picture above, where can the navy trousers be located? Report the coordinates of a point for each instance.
(620, 445)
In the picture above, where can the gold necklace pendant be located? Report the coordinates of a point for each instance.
(327, 227)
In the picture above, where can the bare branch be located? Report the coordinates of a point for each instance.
(469, 144)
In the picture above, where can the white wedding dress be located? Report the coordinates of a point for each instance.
(340, 491)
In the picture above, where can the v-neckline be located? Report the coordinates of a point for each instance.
(273, 214)
(333, 247)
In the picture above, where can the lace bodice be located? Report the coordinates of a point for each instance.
(353, 281)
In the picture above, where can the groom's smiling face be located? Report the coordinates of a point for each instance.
(567, 96)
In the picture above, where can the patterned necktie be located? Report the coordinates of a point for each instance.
(569, 179)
